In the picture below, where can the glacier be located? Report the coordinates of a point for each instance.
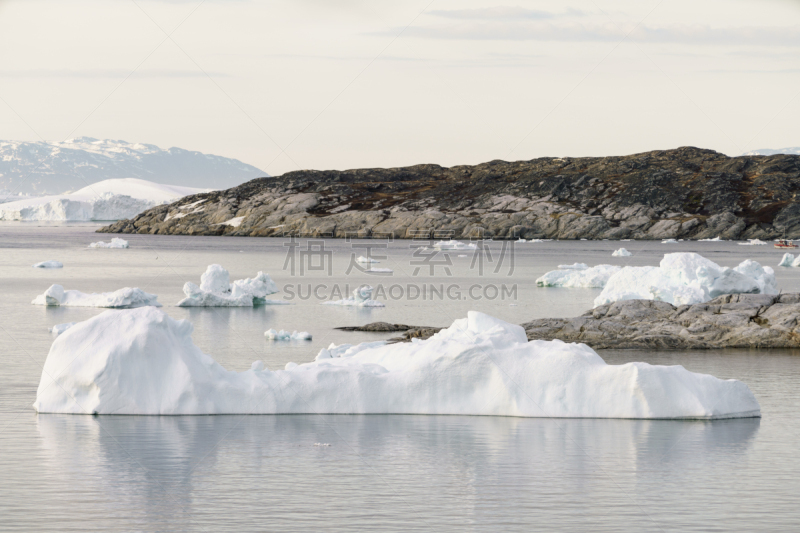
(143, 362)
(113, 199)
(216, 290)
(125, 298)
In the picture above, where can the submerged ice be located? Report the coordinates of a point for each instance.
(142, 361)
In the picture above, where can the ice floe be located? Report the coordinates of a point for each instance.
(58, 329)
(49, 264)
(687, 278)
(788, 260)
(282, 335)
(116, 242)
(715, 239)
(365, 260)
(753, 242)
(362, 297)
(121, 299)
(143, 362)
(577, 276)
(668, 241)
(216, 290)
(112, 199)
(379, 270)
(455, 245)
(622, 252)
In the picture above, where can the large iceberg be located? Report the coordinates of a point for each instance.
(687, 278)
(362, 297)
(576, 276)
(121, 299)
(788, 260)
(142, 362)
(115, 242)
(112, 199)
(216, 290)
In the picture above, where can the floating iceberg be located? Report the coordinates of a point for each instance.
(282, 335)
(362, 297)
(687, 278)
(622, 252)
(753, 242)
(379, 270)
(715, 239)
(574, 266)
(112, 199)
(594, 277)
(362, 259)
(216, 290)
(49, 264)
(668, 241)
(58, 329)
(788, 260)
(121, 299)
(115, 243)
(455, 245)
(142, 362)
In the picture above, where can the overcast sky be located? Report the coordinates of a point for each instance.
(341, 84)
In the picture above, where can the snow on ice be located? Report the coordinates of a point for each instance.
(788, 260)
(216, 290)
(143, 362)
(362, 297)
(58, 329)
(283, 335)
(121, 299)
(49, 264)
(687, 278)
(115, 243)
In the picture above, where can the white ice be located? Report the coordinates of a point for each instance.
(596, 276)
(668, 241)
(788, 260)
(379, 270)
(216, 290)
(715, 239)
(142, 362)
(58, 329)
(121, 299)
(622, 252)
(112, 199)
(49, 264)
(687, 278)
(362, 259)
(574, 266)
(283, 335)
(455, 245)
(115, 243)
(362, 297)
(753, 242)
(234, 222)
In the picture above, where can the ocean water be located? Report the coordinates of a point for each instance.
(387, 473)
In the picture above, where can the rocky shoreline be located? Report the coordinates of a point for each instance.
(687, 193)
(729, 321)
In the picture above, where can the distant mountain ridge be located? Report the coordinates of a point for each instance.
(794, 150)
(46, 167)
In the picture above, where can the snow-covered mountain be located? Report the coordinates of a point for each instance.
(795, 150)
(58, 167)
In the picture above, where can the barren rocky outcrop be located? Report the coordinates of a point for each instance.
(687, 193)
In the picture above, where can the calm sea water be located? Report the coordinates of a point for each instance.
(387, 473)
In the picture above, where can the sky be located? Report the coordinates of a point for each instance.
(321, 84)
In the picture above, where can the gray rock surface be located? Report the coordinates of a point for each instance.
(729, 321)
(687, 193)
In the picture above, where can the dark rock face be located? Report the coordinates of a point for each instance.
(683, 193)
(378, 327)
(729, 321)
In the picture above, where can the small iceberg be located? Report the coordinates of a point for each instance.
(379, 270)
(58, 329)
(594, 277)
(121, 299)
(669, 241)
(362, 297)
(455, 245)
(216, 290)
(115, 243)
(788, 260)
(685, 279)
(574, 266)
(282, 335)
(143, 362)
(753, 242)
(365, 260)
(49, 264)
(715, 239)
(622, 252)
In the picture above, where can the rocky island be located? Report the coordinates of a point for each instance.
(687, 193)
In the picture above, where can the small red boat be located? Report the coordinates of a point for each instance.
(785, 243)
